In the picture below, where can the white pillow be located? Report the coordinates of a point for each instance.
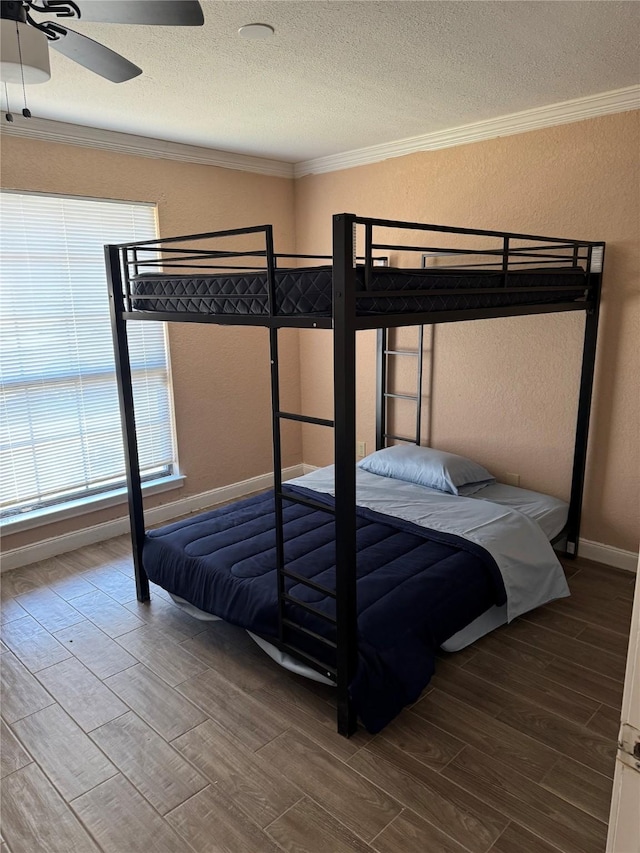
(425, 466)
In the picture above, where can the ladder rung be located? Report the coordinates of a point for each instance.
(318, 665)
(298, 499)
(295, 627)
(305, 419)
(305, 606)
(412, 352)
(312, 584)
(402, 396)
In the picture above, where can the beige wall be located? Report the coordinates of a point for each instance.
(505, 391)
(220, 374)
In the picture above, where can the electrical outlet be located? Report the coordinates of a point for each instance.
(512, 479)
(361, 448)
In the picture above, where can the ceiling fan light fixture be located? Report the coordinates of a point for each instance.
(24, 50)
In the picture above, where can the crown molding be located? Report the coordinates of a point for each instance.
(617, 101)
(606, 103)
(142, 146)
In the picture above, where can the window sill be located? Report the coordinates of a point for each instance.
(82, 506)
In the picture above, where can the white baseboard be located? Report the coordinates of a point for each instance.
(615, 557)
(56, 545)
(47, 548)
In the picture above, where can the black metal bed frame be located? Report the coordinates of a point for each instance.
(125, 260)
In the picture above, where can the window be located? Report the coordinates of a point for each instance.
(60, 436)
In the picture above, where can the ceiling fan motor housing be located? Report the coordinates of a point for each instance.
(24, 50)
(13, 11)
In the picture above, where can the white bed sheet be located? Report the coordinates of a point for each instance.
(550, 513)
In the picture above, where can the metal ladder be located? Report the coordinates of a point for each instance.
(383, 395)
(285, 624)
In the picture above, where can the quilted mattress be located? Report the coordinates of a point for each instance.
(307, 291)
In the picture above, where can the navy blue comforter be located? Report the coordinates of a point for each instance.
(416, 587)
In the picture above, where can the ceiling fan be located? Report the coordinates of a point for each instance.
(24, 56)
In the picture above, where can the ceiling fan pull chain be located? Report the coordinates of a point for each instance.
(8, 114)
(25, 112)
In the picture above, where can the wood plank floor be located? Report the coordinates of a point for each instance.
(129, 727)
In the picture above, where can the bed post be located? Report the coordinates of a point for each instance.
(276, 433)
(127, 417)
(344, 394)
(595, 262)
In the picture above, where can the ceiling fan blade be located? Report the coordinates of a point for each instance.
(94, 56)
(167, 13)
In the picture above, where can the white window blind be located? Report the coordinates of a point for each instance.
(60, 421)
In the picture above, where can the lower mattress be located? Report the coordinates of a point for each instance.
(416, 587)
(308, 291)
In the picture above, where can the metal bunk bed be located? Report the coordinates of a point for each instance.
(352, 290)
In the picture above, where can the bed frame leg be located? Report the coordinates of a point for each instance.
(125, 396)
(347, 717)
(584, 413)
(344, 383)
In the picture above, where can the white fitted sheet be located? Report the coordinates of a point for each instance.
(550, 513)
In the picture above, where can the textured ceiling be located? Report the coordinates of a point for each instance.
(344, 75)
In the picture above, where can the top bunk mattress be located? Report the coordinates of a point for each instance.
(308, 291)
